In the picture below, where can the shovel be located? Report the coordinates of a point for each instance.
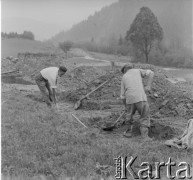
(78, 103)
(57, 107)
(110, 128)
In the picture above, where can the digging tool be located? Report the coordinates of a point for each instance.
(57, 107)
(79, 121)
(10, 72)
(110, 128)
(78, 103)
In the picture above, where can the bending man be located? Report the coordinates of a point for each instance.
(47, 81)
(134, 97)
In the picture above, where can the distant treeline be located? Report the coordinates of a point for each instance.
(161, 55)
(143, 42)
(25, 35)
(113, 46)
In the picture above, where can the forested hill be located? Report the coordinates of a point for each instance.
(173, 15)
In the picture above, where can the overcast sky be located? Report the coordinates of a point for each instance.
(45, 18)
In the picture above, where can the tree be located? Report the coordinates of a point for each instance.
(28, 35)
(144, 31)
(65, 46)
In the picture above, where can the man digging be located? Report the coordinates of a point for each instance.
(47, 81)
(134, 97)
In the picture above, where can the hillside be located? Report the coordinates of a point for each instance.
(114, 20)
(11, 47)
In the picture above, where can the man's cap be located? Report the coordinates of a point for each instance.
(128, 66)
(62, 68)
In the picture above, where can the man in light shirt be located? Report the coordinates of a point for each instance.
(47, 81)
(134, 97)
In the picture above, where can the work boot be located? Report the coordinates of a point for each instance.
(128, 132)
(144, 133)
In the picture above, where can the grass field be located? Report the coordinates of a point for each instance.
(37, 140)
(40, 141)
(11, 47)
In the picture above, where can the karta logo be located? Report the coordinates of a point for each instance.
(147, 170)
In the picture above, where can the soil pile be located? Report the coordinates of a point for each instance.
(166, 99)
(29, 64)
(8, 65)
(80, 78)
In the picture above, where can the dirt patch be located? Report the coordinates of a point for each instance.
(166, 98)
(157, 130)
(161, 131)
(80, 78)
(29, 64)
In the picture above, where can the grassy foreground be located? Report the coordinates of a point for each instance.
(39, 141)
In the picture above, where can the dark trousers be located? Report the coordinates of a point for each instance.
(144, 111)
(45, 89)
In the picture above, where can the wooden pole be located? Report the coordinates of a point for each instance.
(79, 121)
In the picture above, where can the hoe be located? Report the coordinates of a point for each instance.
(110, 128)
(78, 103)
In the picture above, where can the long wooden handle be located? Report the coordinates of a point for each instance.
(119, 118)
(9, 72)
(95, 89)
(57, 107)
(79, 121)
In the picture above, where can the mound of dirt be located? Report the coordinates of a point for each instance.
(166, 98)
(80, 78)
(29, 64)
(7, 65)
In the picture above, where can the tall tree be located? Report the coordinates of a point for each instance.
(65, 46)
(144, 31)
(28, 35)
